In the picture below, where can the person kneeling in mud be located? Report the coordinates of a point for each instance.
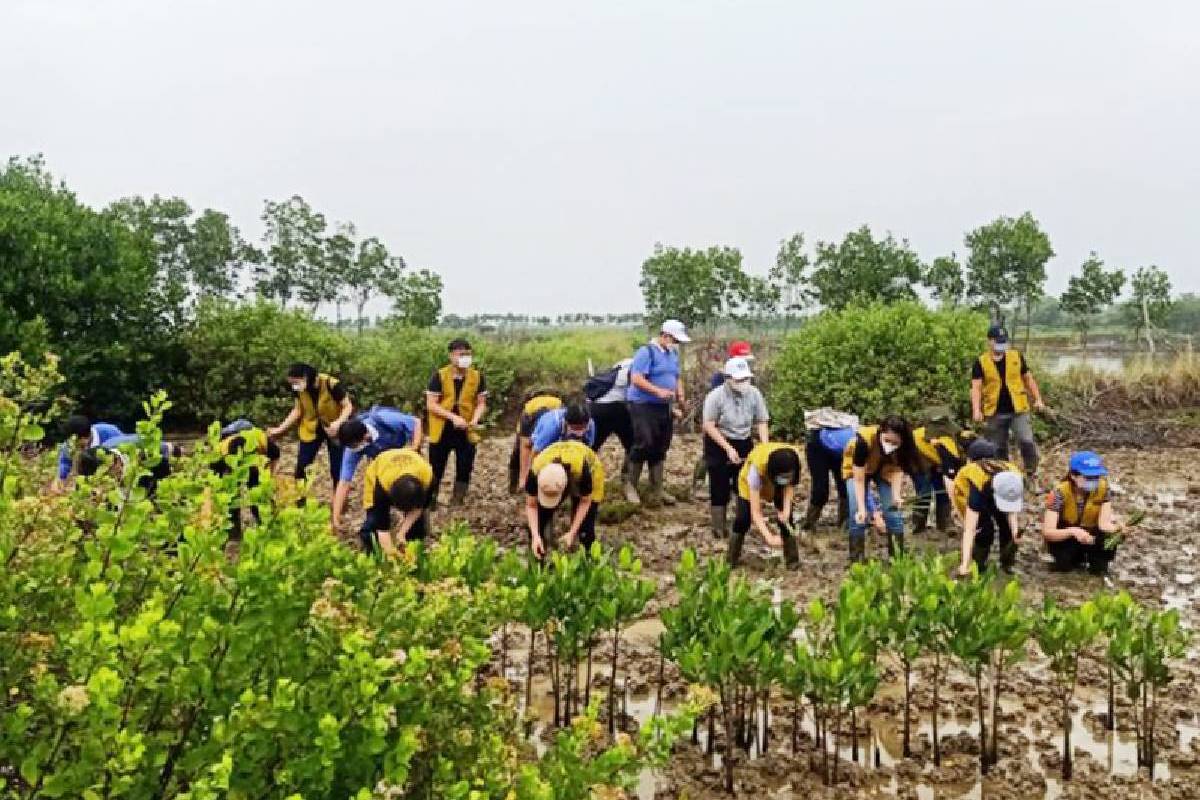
(119, 447)
(399, 479)
(1079, 527)
(988, 494)
(770, 473)
(563, 468)
(243, 436)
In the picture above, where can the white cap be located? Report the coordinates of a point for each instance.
(551, 483)
(1009, 491)
(738, 369)
(676, 330)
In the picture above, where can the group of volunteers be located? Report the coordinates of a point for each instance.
(962, 478)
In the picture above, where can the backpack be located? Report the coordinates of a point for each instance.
(601, 384)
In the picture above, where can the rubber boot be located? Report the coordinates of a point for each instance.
(920, 517)
(791, 547)
(1008, 557)
(942, 515)
(459, 494)
(811, 518)
(843, 512)
(632, 475)
(734, 553)
(720, 525)
(858, 550)
(895, 544)
(656, 485)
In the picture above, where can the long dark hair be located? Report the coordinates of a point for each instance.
(306, 371)
(906, 455)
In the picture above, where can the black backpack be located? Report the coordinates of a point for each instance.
(601, 384)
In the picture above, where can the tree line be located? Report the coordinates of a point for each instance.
(1004, 272)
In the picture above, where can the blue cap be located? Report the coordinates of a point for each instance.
(1088, 464)
(998, 334)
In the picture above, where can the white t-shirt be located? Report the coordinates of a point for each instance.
(617, 393)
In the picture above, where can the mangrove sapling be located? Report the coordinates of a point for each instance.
(625, 597)
(1063, 635)
(1013, 624)
(936, 598)
(909, 603)
(1119, 617)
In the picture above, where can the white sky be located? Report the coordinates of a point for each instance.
(534, 152)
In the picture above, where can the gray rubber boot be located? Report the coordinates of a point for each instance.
(720, 524)
(656, 485)
(632, 475)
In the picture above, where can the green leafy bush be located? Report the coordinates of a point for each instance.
(876, 360)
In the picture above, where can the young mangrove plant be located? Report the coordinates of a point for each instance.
(1063, 635)
(624, 597)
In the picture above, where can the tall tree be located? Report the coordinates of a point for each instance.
(789, 277)
(700, 287)
(863, 269)
(1150, 304)
(295, 264)
(418, 298)
(1090, 292)
(945, 278)
(339, 263)
(164, 223)
(1007, 264)
(217, 255)
(373, 271)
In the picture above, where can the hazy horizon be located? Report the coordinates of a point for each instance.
(533, 153)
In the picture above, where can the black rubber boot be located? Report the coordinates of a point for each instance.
(858, 550)
(656, 485)
(920, 517)
(459, 495)
(811, 518)
(843, 513)
(720, 524)
(942, 515)
(734, 553)
(1008, 557)
(791, 547)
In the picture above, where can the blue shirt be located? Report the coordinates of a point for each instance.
(659, 366)
(835, 439)
(390, 429)
(101, 433)
(551, 428)
(133, 441)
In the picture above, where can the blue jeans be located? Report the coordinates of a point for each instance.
(877, 496)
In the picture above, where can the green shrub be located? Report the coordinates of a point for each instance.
(876, 360)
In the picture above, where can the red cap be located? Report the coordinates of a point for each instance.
(739, 349)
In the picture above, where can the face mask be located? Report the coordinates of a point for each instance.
(783, 480)
(297, 387)
(889, 448)
(1001, 347)
(464, 362)
(1091, 484)
(741, 387)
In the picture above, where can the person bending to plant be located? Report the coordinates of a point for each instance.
(770, 473)
(941, 456)
(989, 494)
(322, 406)
(82, 434)
(366, 435)
(243, 436)
(119, 447)
(537, 403)
(1079, 526)
(879, 455)
(829, 431)
(399, 479)
(562, 469)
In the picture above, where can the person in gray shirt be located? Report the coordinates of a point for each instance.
(735, 413)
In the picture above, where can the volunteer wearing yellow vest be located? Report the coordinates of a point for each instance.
(537, 404)
(1001, 388)
(941, 456)
(322, 405)
(399, 479)
(770, 473)
(456, 400)
(1079, 517)
(988, 494)
(243, 437)
(564, 468)
(873, 469)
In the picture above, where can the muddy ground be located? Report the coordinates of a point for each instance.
(1158, 566)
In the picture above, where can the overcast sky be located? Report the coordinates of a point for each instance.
(534, 152)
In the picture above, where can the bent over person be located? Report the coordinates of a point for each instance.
(536, 404)
(1001, 389)
(367, 435)
(322, 405)
(562, 469)
(456, 402)
(989, 493)
(243, 436)
(399, 479)
(770, 474)
(878, 458)
(82, 434)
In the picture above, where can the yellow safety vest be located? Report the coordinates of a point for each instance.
(877, 462)
(466, 403)
(392, 465)
(758, 459)
(929, 448)
(255, 438)
(538, 405)
(992, 383)
(1069, 516)
(978, 474)
(324, 410)
(573, 456)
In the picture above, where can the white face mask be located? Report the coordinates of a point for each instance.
(783, 480)
(1091, 484)
(297, 387)
(463, 362)
(1001, 347)
(889, 448)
